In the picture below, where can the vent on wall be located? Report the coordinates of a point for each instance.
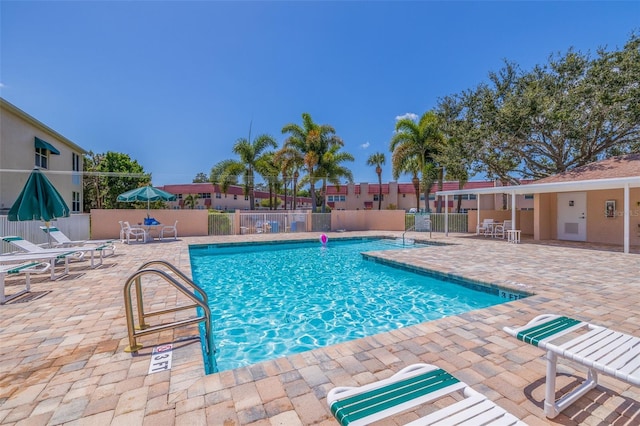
(570, 228)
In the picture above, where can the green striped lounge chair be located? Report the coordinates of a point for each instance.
(411, 387)
(599, 349)
(26, 268)
(61, 240)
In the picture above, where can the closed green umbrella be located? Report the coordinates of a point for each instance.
(146, 193)
(39, 200)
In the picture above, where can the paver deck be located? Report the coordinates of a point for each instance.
(62, 358)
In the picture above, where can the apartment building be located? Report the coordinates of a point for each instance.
(402, 196)
(25, 144)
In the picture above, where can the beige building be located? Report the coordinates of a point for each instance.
(402, 196)
(25, 144)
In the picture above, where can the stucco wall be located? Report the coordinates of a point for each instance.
(104, 223)
(602, 229)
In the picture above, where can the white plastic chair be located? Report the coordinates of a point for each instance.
(501, 229)
(138, 233)
(170, 229)
(485, 228)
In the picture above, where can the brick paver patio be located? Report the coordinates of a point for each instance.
(62, 358)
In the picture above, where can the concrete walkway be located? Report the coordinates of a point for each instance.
(62, 358)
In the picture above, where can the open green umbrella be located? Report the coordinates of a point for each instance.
(146, 193)
(39, 200)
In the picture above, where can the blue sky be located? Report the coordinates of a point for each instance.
(175, 84)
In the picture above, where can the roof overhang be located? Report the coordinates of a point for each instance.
(540, 188)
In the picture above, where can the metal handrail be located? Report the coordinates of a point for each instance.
(407, 230)
(191, 291)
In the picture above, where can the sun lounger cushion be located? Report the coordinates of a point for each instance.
(413, 386)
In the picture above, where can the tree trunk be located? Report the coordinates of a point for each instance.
(416, 187)
(379, 172)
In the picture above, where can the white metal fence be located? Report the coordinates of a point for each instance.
(259, 222)
(76, 227)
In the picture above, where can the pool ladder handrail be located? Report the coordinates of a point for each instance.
(407, 230)
(189, 290)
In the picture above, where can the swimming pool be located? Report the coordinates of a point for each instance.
(278, 299)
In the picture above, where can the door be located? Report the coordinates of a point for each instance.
(572, 216)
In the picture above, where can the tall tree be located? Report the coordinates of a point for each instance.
(291, 161)
(226, 172)
(333, 171)
(558, 116)
(109, 175)
(420, 142)
(377, 160)
(312, 141)
(191, 200)
(201, 178)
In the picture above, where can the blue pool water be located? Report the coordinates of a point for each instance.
(278, 299)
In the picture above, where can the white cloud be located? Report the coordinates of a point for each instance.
(365, 145)
(409, 115)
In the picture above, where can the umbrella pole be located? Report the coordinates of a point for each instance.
(47, 224)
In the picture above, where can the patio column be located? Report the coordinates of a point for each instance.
(627, 212)
(513, 211)
(446, 215)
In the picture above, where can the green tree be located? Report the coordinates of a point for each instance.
(333, 171)
(419, 142)
(227, 172)
(291, 161)
(558, 116)
(312, 141)
(191, 200)
(378, 160)
(109, 175)
(201, 178)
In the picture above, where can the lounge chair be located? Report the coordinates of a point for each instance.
(598, 348)
(53, 257)
(26, 268)
(76, 252)
(61, 240)
(412, 386)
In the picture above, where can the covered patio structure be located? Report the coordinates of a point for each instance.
(598, 203)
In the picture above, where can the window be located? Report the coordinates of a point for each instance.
(330, 198)
(375, 197)
(75, 202)
(472, 196)
(42, 158)
(246, 198)
(205, 195)
(179, 196)
(218, 195)
(431, 196)
(343, 198)
(528, 196)
(75, 166)
(235, 197)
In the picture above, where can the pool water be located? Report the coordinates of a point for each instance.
(278, 299)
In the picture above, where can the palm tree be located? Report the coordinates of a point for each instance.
(250, 154)
(377, 160)
(290, 160)
(420, 141)
(312, 141)
(332, 170)
(191, 200)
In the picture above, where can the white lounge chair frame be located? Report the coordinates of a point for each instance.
(127, 231)
(485, 228)
(61, 240)
(412, 386)
(26, 268)
(597, 348)
(76, 252)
